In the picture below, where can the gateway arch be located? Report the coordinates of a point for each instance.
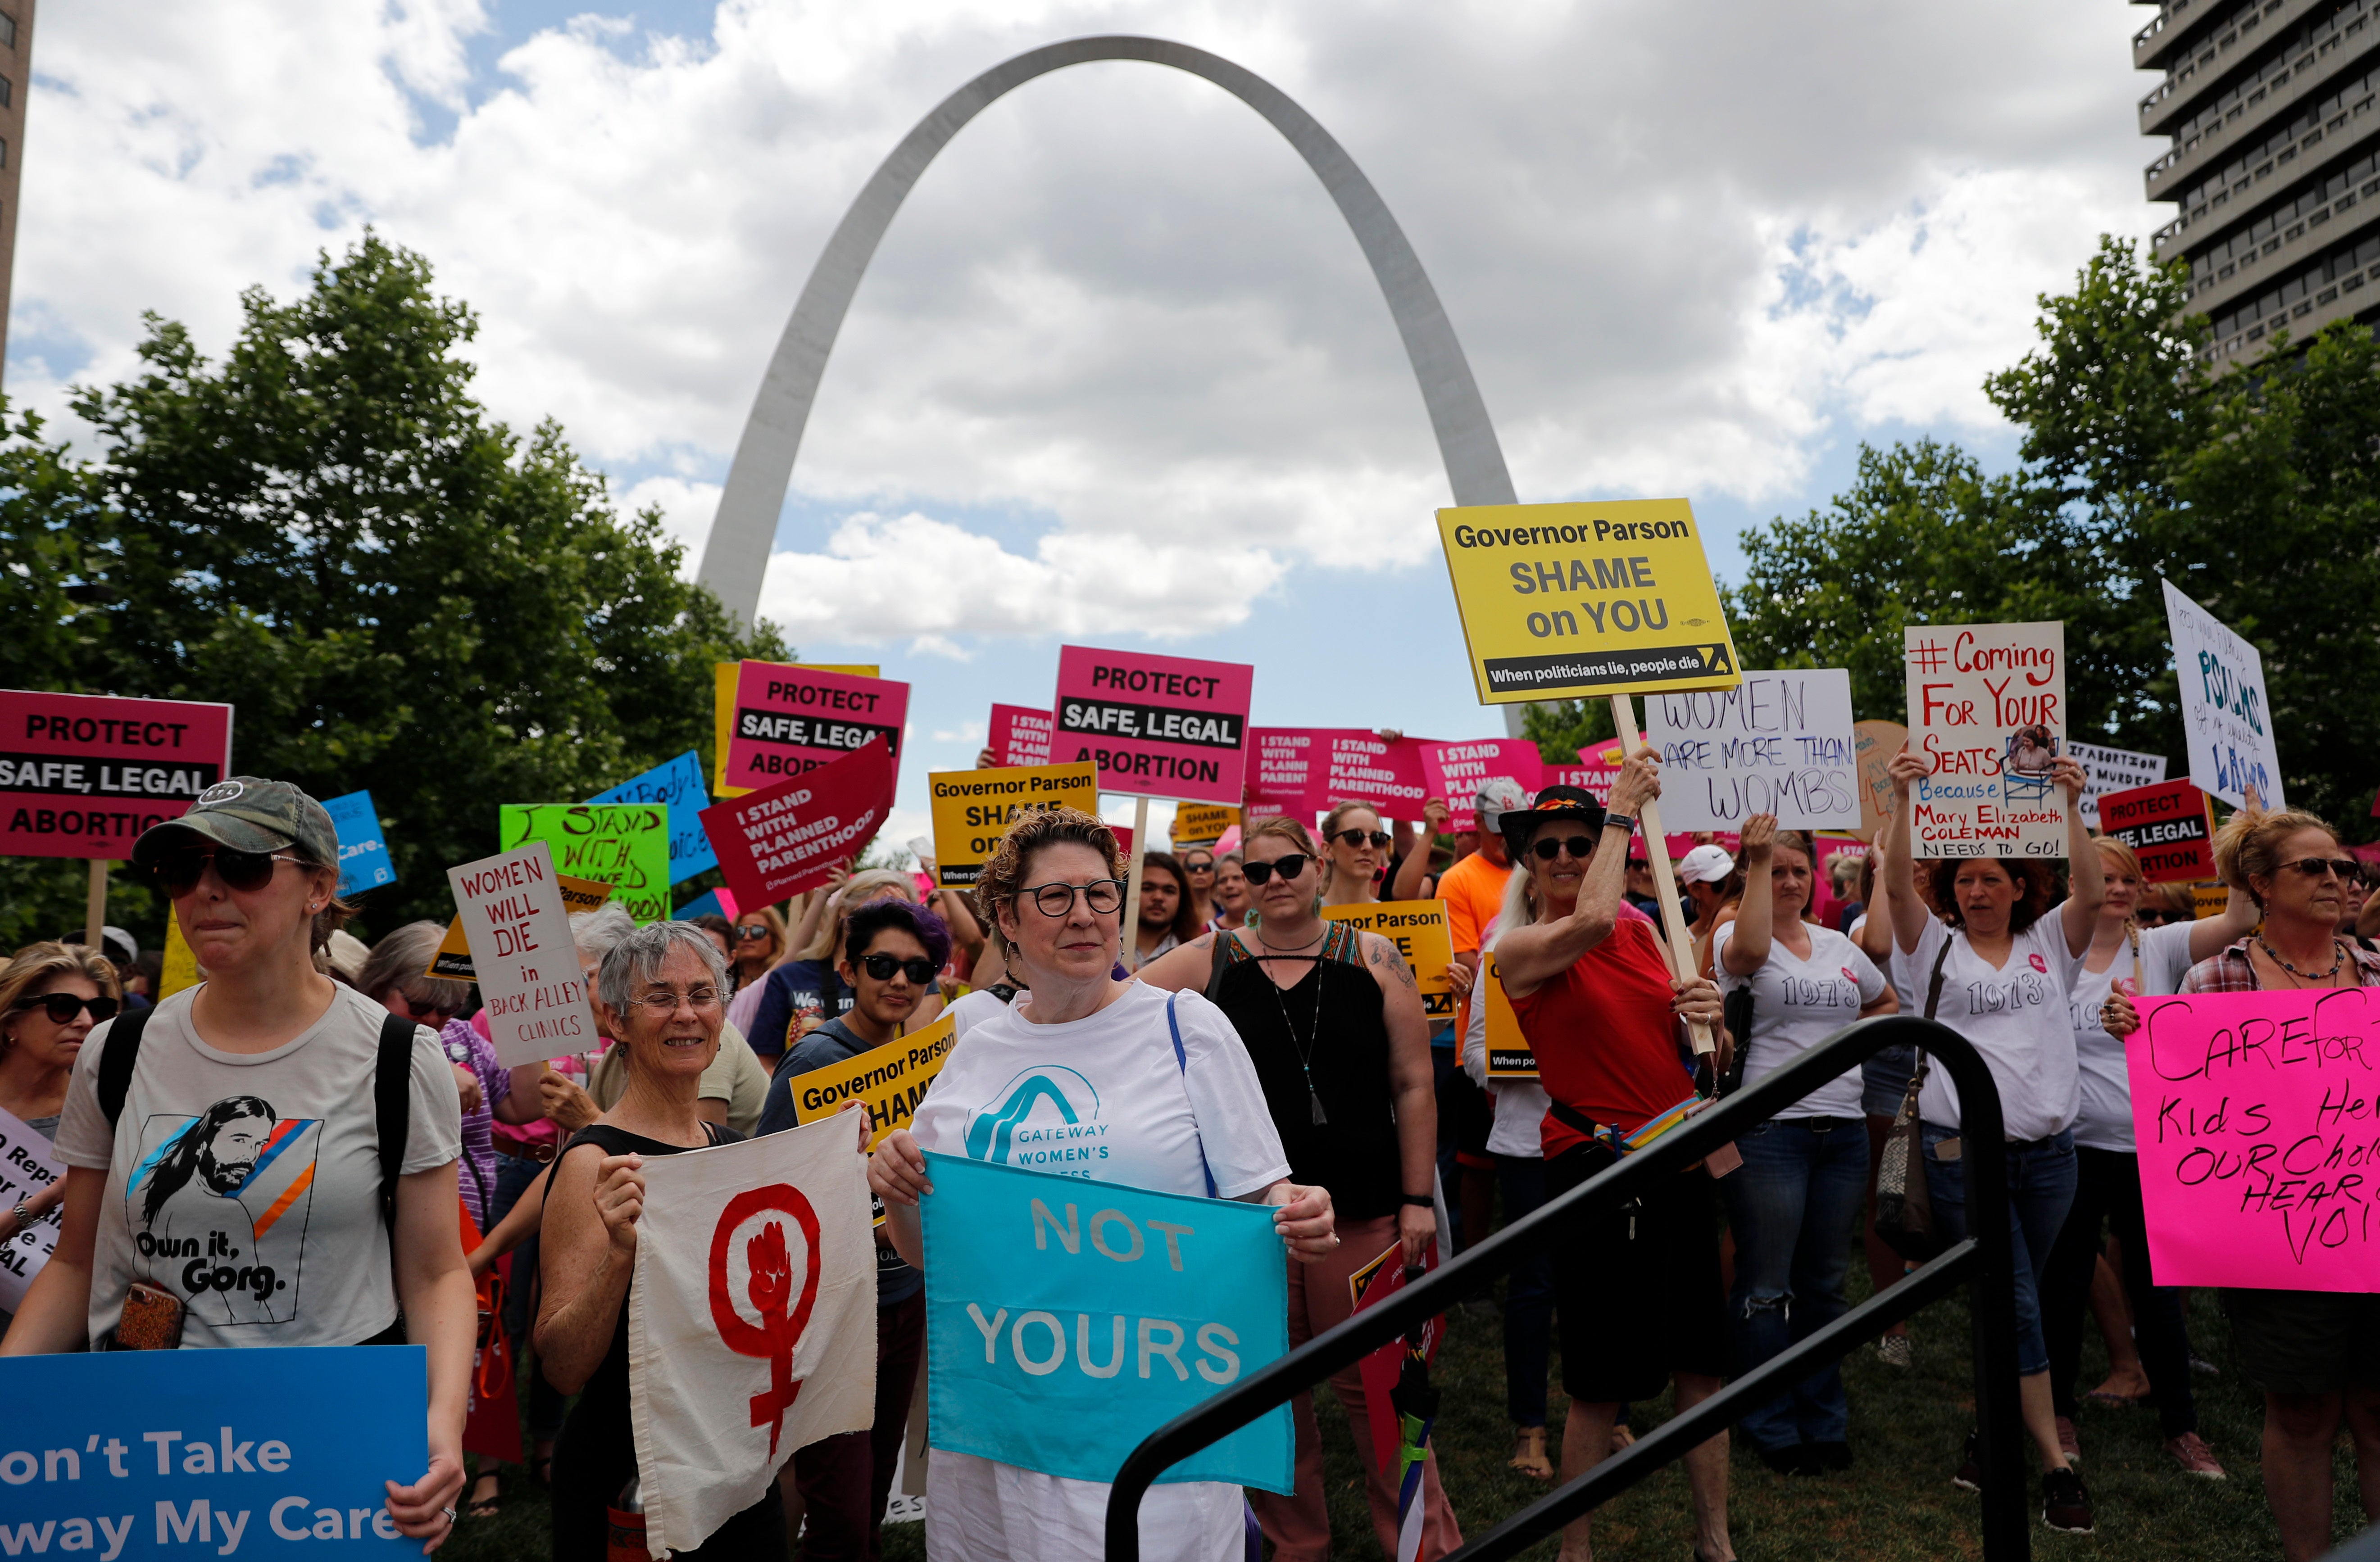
(737, 551)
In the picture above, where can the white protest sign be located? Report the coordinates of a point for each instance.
(1987, 706)
(1778, 742)
(29, 1163)
(2226, 717)
(521, 950)
(2113, 769)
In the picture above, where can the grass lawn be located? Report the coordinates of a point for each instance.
(1898, 1504)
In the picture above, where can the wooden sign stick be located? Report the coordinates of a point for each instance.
(1130, 952)
(1680, 944)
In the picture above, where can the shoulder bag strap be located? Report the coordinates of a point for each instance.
(1224, 954)
(1933, 1000)
(118, 1060)
(393, 1108)
(1182, 1062)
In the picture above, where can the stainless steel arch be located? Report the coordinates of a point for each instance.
(737, 551)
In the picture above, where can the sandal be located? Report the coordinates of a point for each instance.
(484, 1506)
(1529, 1454)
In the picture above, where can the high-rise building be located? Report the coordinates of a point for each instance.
(16, 85)
(2274, 165)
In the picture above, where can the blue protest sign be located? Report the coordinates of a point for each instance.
(139, 1453)
(710, 902)
(1066, 1320)
(679, 785)
(364, 862)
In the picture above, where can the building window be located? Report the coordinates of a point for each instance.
(7, 31)
(7, 92)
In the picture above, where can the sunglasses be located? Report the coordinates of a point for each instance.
(879, 967)
(177, 872)
(1288, 866)
(1358, 837)
(752, 932)
(1579, 846)
(1199, 867)
(423, 1012)
(2314, 867)
(62, 1007)
(2148, 918)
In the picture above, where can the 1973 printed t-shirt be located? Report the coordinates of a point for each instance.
(2103, 1120)
(1798, 1003)
(2015, 1016)
(249, 1184)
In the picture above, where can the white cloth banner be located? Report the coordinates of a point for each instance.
(2226, 717)
(751, 1321)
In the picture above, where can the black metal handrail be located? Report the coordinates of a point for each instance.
(1984, 1259)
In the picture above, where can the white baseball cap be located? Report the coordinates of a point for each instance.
(1706, 864)
(1496, 795)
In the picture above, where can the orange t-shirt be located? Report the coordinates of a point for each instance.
(1473, 892)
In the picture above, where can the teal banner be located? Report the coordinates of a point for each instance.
(1066, 1320)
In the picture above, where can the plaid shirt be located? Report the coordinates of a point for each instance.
(2229, 970)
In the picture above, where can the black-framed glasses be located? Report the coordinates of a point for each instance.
(2314, 867)
(1288, 865)
(756, 930)
(177, 872)
(1358, 837)
(1547, 849)
(423, 1013)
(879, 967)
(2150, 917)
(62, 1007)
(1103, 895)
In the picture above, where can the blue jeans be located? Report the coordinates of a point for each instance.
(2041, 1176)
(1528, 1297)
(1794, 1205)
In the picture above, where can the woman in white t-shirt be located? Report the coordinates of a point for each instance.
(1132, 1112)
(1793, 1203)
(1997, 966)
(247, 1126)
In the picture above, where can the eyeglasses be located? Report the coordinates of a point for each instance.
(1289, 866)
(2314, 867)
(881, 967)
(1358, 837)
(743, 933)
(177, 872)
(1199, 867)
(2149, 917)
(1103, 895)
(1546, 850)
(423, 1013)
(62, 1007)
(660, 1005)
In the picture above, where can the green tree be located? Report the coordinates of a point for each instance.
(396, 592)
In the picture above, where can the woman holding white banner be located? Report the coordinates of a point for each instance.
(1182, 1116)
(1998, 966)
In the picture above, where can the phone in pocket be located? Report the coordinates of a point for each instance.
(152, 1320)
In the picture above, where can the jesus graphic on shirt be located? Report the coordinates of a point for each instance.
(219, 1206)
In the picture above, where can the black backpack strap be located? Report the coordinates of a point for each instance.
(1226, 953)
(392, 1108)
(117, 1058)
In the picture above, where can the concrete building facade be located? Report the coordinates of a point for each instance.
(16, 85)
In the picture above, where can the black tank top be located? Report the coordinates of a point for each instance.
(1355, 1153)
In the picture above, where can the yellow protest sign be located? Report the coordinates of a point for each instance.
(1509, 1054)
(2210, 900)
(1202, 824)
(1576, 601)
(890, 1080)
(451, 961)
(972, 809)
(181, 966)
(723, 711)
(1418, 929)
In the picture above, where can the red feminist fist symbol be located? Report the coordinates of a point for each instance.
(769, 1287)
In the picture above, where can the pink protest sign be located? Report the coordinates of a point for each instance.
(2259, 1137)
(787, 837)
(1156, 726)
(1367, 768)
(1289, 766)
(1020, 737)
(1457, 770)
(791, 721)
(83, 775)
(1595, 770)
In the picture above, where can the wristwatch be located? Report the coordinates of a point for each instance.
(1420, 1201)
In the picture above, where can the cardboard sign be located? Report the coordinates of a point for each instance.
(974, 809)
(1364, 767)
(83, 775)
(181, 968)
(364, 862)
(1289, 763)
(451, 961)
(1509, 1053)
(890, 1080)
(1873, 745)
(29, 1163)
(624, 845)
(145, 1455)
(2227, 719)
(1201, 824)
(724, 675)
(1457, 770)
(2253, 1115)
(1418, 928)
(2171, 827)
(1020, 736)
(784, 839)
(789, 722)
(1069, 1319)
(1987, 704)
(522, 955)
(677, 786)
(1778, 743)
(1156, 726)
(1574, 602)
(2113, 769)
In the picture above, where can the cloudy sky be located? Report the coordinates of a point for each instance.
(1119, 374)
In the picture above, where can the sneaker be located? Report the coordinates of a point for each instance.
(2190, 1451)
(1893, 1350)
(1829, 1456)
(2067, 1440)
(1971, 1468)
(2065, 1506)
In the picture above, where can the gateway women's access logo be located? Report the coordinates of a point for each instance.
(1046, 1119)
